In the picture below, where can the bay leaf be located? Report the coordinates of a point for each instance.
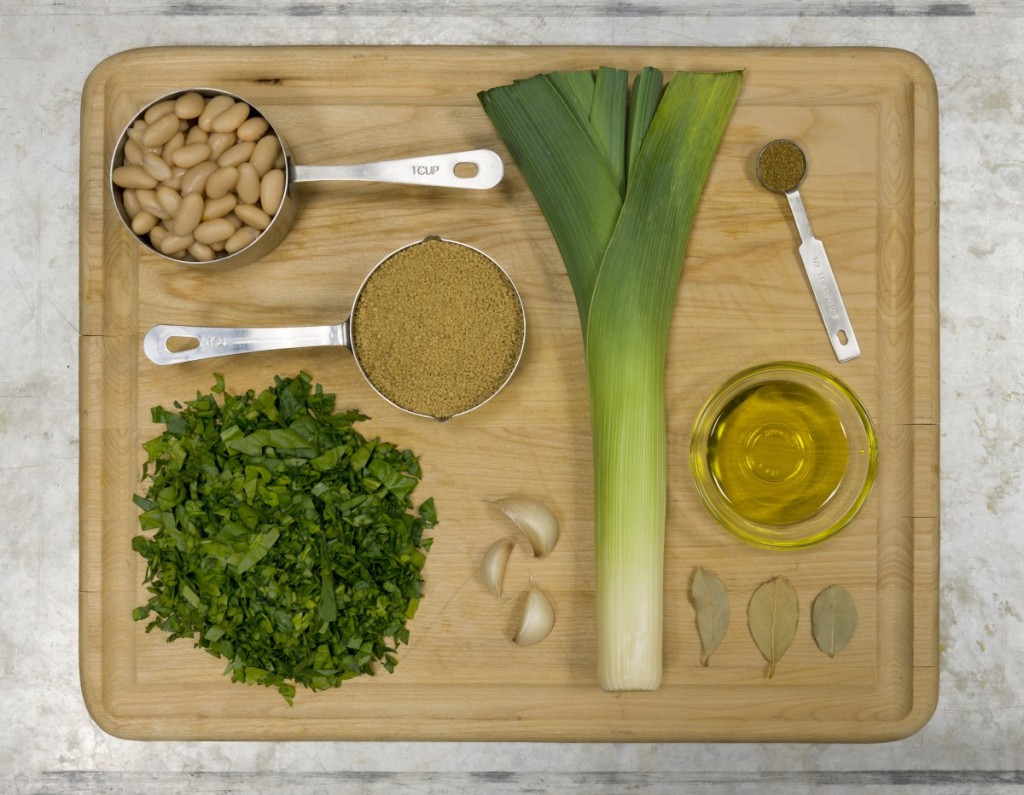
(772, 617)
(711, 603)
(833, 619)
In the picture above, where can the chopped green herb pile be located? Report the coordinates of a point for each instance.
(285, 541)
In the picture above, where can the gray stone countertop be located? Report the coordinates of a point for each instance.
(974, 742)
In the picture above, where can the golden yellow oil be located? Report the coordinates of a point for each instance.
(778, 452)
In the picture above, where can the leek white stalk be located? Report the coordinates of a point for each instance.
(629, 512)
(620, 208)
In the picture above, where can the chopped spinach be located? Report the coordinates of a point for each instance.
(285, 541)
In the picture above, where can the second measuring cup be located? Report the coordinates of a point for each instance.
(437, 329)
(201, 177)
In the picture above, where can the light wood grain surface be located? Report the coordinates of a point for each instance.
(868, 121)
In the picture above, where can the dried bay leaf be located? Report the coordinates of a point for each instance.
(833, 619)
(711, 603)
(772, 617)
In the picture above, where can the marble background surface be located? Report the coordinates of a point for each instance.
(974, 743)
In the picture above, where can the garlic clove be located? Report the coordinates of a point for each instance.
(537, 619)
(535, 519)
(492, 566)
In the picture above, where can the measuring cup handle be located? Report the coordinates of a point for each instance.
(435, 170)
(212, 341)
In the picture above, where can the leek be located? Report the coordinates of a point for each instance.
(618, 178)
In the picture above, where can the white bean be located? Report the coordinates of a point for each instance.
(202, 252)
(158, 110)
(177, 141)
(218, 208)
(133, 153)
(189, 106)
(215, 231)
(133, 177)
(136, 130)
(253, 216)
(248, 187)
(220, 142)
(149, 203)
(252, 129)
(175, 245)
(272, 191)
(237, 154)
(190, 213)
(169, 199)
(131, 203)
(156, 234)
(161, 131)
(156, 166)
(221, 182)
(191, 155)
(175, 181)
(214, 107)
(265, 153)
(195, 178)
(230, 119)
(240, 239)
(196, 136)
(143, 222)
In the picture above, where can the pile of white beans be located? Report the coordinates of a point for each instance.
(201, 177)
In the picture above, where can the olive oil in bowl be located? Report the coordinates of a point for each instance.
(783, 455)
(778, 453)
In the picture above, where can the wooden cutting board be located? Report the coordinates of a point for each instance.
(868, 121)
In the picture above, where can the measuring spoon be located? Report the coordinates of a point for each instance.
(781, 167)
(476, 169)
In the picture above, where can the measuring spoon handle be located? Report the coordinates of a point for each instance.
(823, 285)
(829, 301)
(210, 341)
(436, 170)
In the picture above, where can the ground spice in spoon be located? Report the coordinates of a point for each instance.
(781, 166)
(438, 328)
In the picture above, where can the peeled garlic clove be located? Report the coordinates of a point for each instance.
(537, 619)
(535, 519)
(492, 567)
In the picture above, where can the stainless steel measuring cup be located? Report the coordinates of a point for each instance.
(477, 169)
(210, 342)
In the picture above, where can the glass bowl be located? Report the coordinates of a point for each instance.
(783, 455)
